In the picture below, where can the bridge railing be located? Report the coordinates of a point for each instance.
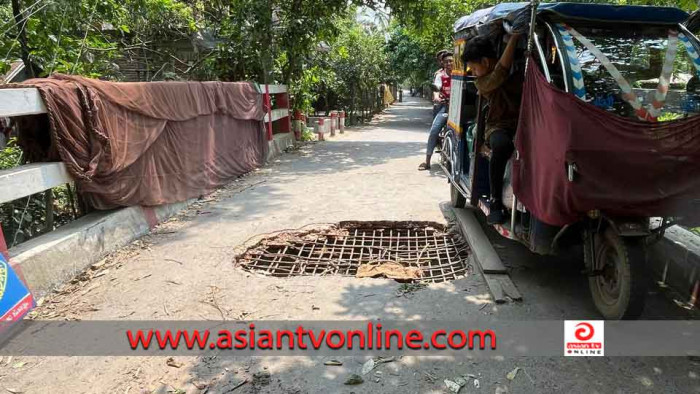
(277, 119)
(29, 179)
(26, 180)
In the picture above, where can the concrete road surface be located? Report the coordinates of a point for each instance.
(185, 271)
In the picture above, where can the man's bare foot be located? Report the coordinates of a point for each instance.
(423, 167)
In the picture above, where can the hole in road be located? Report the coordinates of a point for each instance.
(406, 251)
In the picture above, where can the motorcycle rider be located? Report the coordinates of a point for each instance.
(436, 74)
(443, 82)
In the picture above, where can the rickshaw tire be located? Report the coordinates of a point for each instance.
(631, 254)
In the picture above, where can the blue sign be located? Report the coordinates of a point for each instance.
(690, 104)
(15, 300)
(604, 101)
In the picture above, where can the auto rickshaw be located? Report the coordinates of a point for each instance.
(607, 142)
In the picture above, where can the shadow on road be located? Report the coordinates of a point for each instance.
(410, 374)
(553, 289)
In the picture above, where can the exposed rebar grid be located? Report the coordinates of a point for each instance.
(436, 255)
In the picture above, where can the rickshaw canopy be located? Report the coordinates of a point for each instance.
(582, 11)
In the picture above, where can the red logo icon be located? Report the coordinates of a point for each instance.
(585, 332)
(584, 338)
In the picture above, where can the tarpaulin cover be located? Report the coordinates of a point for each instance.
(585, 11)
(624, 167)
(152, 143)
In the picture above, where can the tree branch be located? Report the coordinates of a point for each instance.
(22, 38)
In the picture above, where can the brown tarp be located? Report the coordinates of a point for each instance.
(624, 167)
(152, 143)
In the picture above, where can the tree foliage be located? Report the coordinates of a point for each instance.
(409, 61)
(251, 39)
(423, 27)
(84, 37)
(345, 71)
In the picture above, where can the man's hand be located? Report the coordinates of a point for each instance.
(506, 60)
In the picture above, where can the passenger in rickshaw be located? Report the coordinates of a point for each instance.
(502, 89)
(442, 97)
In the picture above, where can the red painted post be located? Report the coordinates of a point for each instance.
(284, 103)
(300, 120)
(3, 246)
(334, 122)
(6, 254)
(282, 100)
(268, 107)
(286, 125)
(321, 129)
(298, 115)
(341, 121)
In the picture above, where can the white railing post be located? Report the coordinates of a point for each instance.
(281, 112)
(25, 180)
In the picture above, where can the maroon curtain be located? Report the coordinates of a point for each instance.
(624, 167)
(151, 143)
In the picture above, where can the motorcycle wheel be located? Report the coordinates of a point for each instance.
(620, 288)
(446, 153)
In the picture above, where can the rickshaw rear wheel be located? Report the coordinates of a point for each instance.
(620, 285)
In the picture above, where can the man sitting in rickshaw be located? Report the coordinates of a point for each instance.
(503, 90)
(443, 82)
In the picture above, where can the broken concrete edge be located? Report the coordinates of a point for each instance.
(279, 143)
(47, 261)
(675, 262)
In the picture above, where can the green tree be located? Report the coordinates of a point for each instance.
(408, 60)
(84, 37)
(426, 26)
(360, 62)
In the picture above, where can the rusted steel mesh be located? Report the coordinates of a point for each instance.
(406, 251)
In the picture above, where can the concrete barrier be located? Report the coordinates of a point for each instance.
(49, 260)
(298, 123)
(321, 126)
(341, 121)
(280, 143)
(334, 122)
(675, 261)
